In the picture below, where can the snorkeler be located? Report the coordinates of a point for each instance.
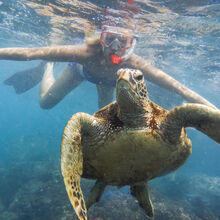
(97, 60)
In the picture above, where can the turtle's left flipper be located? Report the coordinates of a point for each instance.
(72, 162)
(201, 117)
(141, 193)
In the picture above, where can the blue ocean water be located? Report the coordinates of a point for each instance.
(180, 37)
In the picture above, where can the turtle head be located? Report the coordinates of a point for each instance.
(131, 93)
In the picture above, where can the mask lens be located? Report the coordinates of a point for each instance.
(107, 38)
(125, 41)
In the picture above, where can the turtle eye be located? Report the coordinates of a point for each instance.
(138, 76)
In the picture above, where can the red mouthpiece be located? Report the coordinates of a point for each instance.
(116, 59)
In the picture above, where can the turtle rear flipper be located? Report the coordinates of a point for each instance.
(95, 193)
(201, 117)
(141, 193)
(72, 161)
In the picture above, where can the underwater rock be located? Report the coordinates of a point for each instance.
(198, 194)
(35, 190)
(42, 195)
(205, 193)
(206, 185)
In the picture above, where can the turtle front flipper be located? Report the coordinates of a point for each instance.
(141, 193)
(201, 117)
(72, 161)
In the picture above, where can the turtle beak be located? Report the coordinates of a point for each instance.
(125, 87)
(125, 75)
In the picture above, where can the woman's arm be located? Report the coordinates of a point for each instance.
(162, 79)
(70, 53)
(53, 91)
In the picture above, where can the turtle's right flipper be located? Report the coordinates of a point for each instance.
(23, 81)
(72, 164)
(141, 193)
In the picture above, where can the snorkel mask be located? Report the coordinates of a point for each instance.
(117, 42)
(118, 31)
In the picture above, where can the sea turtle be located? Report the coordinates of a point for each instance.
(129, 142)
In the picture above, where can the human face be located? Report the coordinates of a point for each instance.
(116, 44)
